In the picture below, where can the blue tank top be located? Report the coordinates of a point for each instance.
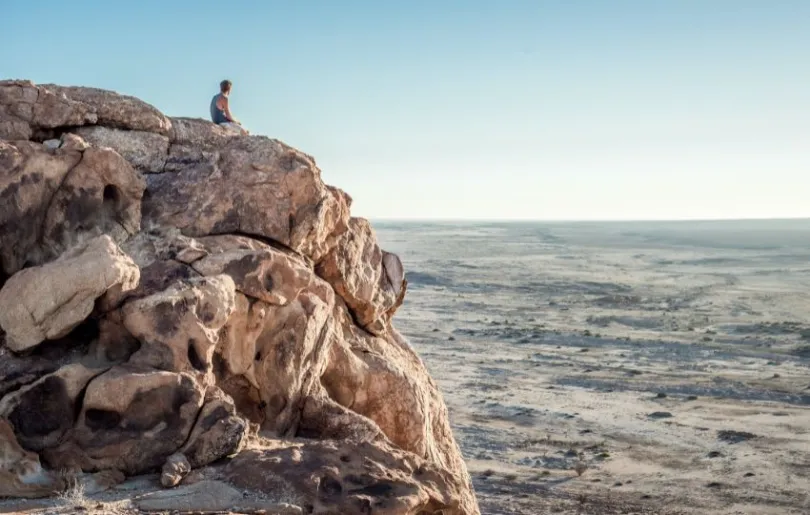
(217, 114)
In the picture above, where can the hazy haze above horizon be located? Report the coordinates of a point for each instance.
(511, 109)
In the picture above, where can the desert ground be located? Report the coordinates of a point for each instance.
(619, 368)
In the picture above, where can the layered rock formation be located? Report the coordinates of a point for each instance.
(174, 294)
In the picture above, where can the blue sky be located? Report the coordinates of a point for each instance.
(508, 109)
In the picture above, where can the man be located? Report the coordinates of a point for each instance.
(220, 110)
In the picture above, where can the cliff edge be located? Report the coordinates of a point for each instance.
(179, 300)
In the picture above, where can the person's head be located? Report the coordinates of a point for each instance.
(225, 87)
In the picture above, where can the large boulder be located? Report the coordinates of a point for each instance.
(53, 199)
(178, 327)
(370, 281)
(131, 420)
(49, 301)
(258, 187)
(116, 110)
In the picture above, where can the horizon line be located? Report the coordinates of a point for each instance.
(589, 220)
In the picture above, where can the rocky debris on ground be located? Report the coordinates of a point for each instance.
(172, 293)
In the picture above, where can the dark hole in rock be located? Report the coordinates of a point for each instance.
(122, 350)
(330, 486)
(268, 282)
(194, 358)
(220, 366)
(258, 356)
(111, 194)
(102, 419)
(65, 349)
(207, 315)
(45, 408)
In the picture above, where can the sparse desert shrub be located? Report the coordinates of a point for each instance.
(580, 468)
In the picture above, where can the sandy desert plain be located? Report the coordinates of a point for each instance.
(605, 368)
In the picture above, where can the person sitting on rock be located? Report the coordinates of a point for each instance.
(220, 110)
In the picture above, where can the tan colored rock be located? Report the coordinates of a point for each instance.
(324, 419)
(43, 411)
(369, 284)
(132, 419)
(70, 141)
(30, 175)
(258, 187)
(100, 195)
(288, 356)
(342, 477)
(174, 470)
(21, 474)
(64, 196)
(116, 110)
(178, 327)
(267, 274)
(199, 133)
(219, 431)
(162, 256)
(384, 379)
(26, 108)
(145, 151)
(47, 302)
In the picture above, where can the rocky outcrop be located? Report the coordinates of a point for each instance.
(173, 294)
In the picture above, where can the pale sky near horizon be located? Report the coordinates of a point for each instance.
(501, 109)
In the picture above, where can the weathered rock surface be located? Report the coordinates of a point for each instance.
(53, 199)
(331, 477)
(146, 151)
(115, 110)
(258, 187)
(21, 474)
(178, 327)
(26, 108)
(173, 295)
(49, 301)
(174, 470)
(371, 286)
